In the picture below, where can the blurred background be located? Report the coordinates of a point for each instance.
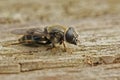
(21, 11)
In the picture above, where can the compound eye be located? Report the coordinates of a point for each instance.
(71, 36)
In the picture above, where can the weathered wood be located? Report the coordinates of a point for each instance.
(9, 68)
(60, 62)
(101, 59)
(29, 65)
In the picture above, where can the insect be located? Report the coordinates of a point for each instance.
(50, 35)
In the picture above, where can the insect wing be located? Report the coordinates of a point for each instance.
(27, 31)
(19, 31)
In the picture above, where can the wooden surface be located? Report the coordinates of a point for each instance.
(99, 48)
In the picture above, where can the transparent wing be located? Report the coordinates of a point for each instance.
(27, 31)
(19, 31)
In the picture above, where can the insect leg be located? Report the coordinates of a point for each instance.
(65, 48)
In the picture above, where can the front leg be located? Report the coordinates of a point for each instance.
(65, 48)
